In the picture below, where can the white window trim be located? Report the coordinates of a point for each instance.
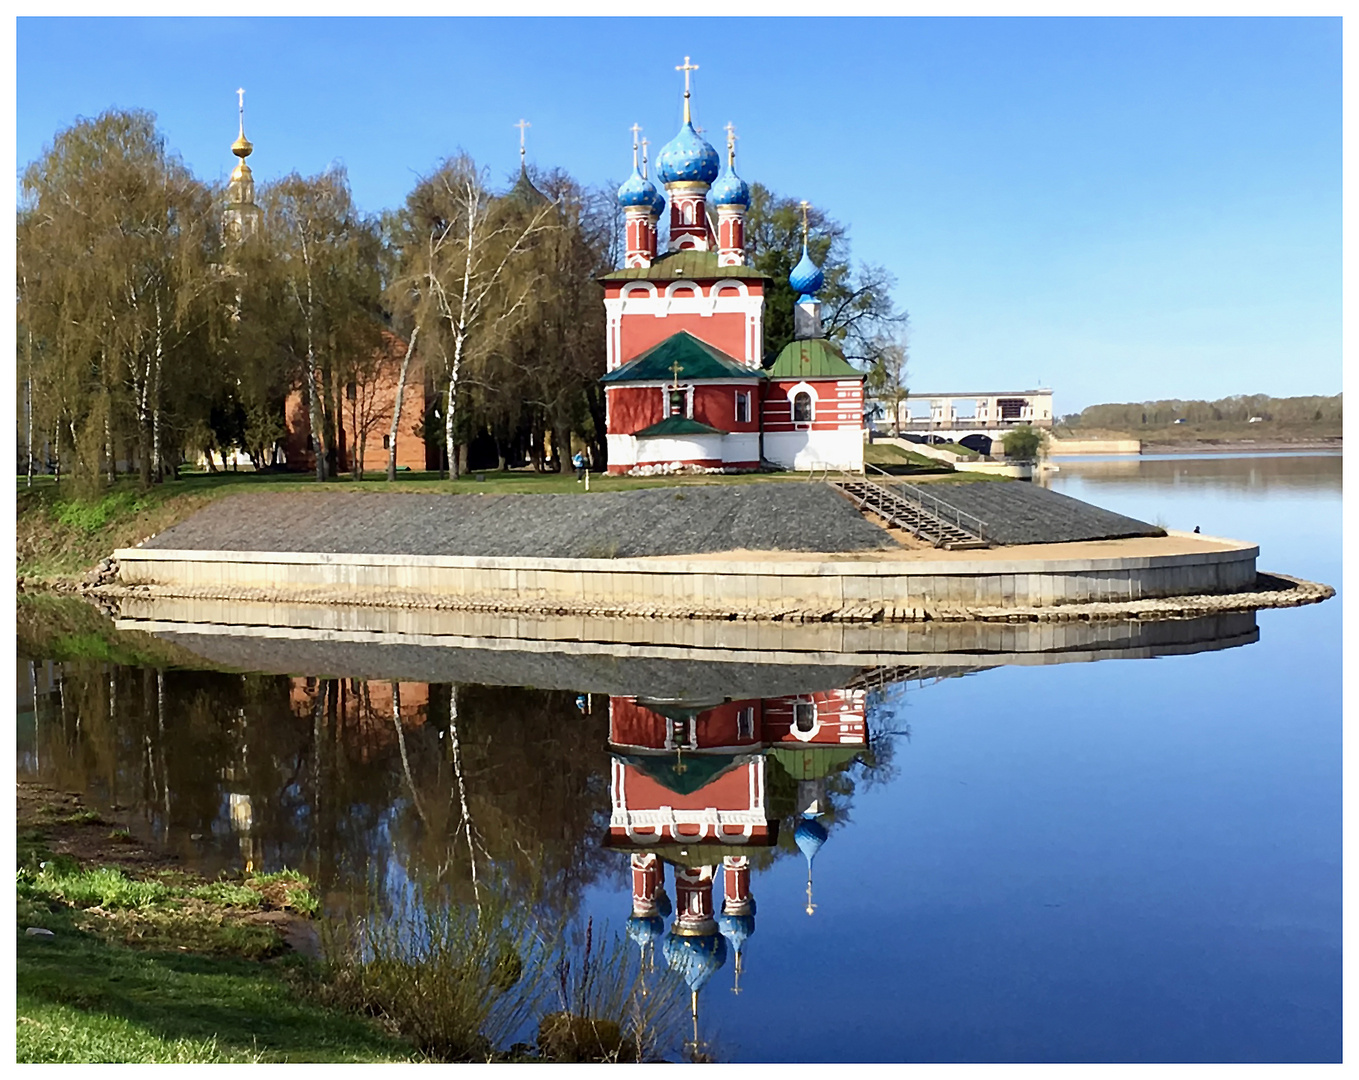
(688, 389)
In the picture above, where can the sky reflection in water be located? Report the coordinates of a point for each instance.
(1128, 860)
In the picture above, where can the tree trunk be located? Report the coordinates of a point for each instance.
(396, 407)
(110, 463)
(561, 444)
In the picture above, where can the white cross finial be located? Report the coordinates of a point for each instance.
(731, 143)
(634, 129)
(240, 96)
(686, 67)
(521, 126)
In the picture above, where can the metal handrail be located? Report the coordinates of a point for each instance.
(933, 504)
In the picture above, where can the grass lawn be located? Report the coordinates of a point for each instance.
(147, 963)
(82, 999)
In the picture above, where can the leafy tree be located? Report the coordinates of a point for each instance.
(857, 309)
(886, 382)
(1022, 443)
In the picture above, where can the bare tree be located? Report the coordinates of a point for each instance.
(462, 262)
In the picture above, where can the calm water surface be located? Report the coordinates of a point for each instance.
(1126, 860)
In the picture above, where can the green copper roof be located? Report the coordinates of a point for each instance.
(677, 425)
(684, 264)
(811, 762)
(685, 773)
(812, 358)
(696, 359)
(525, 192)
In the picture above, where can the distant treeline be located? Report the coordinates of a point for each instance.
(1238, 409)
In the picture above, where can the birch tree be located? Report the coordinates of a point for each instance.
(464, 257)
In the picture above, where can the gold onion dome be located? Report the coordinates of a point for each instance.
(241, 147)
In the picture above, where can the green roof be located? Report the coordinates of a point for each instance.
(685, 773)
(684, 264)
(696, 359)
(811, 762)
(677, 425)
(812, 358)
(695, 852)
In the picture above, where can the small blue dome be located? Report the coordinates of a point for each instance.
(736, 928)
(636, 191)
(658, 204)
(643, 930)
(729, 190)
(806, 277)
(809, 835)
(687, 157)
(662, 899)
(696, 959)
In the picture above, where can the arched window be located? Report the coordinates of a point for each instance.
(688, 213)
(802, 408)
(804, 715)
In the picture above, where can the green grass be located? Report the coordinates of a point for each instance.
(80, 999)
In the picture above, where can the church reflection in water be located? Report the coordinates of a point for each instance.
(550, 768)
(691, 790)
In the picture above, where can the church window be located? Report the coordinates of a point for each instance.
(677, 403)
(804, 715)
(386, 442)
(745, 723)
(688, 213)
(802, 408)
(742, 407)
(352, 391)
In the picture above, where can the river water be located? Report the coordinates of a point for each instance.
(1132, 859)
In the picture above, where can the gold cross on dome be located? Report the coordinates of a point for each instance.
(675, 367)
(805, 205)
(521, 126)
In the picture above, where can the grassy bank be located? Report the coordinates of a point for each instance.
(124, 956)
(148, 963)
(61, 536)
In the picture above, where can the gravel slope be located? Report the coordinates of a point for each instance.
(1020, 513)
(629, 524)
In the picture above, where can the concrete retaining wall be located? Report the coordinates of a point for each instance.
(1067, 447)
(707, 587)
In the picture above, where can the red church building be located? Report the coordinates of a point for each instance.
(685, 384)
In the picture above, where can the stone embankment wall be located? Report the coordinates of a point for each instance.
(810, 590)
(1067, 447)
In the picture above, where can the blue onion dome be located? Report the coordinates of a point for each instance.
(809, 835)
(695, 959)
(806, 277)
(729, 190)
(736, 928)
(662, 901)
(658, 204)
(644, 930)
(637, 192)
(687, 157)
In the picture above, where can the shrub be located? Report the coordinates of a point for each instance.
(1022, 443)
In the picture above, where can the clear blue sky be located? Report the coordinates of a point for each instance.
(1123, 209)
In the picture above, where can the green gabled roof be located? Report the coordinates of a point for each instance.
(677, 425)
(684, 264)
(812, 358)
(811, 762)
(685, 773)
(696, 358)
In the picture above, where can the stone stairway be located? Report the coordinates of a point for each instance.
(922, 515)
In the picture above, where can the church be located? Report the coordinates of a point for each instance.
(685, 384)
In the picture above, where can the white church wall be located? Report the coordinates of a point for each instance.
(660, 451)
(805, 450)
(741, 446)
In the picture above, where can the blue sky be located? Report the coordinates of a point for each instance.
(1121, 209)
